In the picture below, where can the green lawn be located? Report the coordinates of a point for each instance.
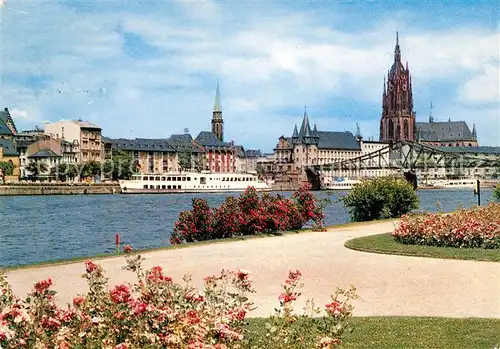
(409, 333)
(384, 243)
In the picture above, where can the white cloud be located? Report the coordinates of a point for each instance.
(484, 88)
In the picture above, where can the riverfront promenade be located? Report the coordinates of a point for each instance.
(388, 285)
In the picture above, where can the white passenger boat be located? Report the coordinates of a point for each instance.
(192, 182)
(455, 183)
(342, 184)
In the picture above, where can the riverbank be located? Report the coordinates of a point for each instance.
(23, 189)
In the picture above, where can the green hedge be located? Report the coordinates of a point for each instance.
(379, 198)
(7, 168)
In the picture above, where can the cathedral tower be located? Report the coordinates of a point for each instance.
(398, 117)
(217, 122)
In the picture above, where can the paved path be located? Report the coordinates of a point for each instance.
(388, 285)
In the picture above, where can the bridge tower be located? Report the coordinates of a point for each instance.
(398, 118)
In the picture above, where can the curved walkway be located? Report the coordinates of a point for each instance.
(388, 285)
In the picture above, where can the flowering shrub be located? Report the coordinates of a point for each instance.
(285, 329)
(156, 312)
(378, 198)
(478, 227)
(248, 215)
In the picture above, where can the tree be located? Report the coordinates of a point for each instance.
(200, 163)
(91, 169)
(120, 166)
(36, 168)
(260, 169)
(378, 198)
(60, 172)
(7, 168)
(185, 159)
(496, 193)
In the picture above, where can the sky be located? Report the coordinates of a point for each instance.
(149, 68)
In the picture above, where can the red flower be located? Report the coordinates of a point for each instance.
(42, 286)
(127, 248)
(90, 266)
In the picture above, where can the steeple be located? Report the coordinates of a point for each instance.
(295, 132)
(217, 121)
(474, 133)
(315, 131)
(217, 105)
(431, 118)
(305, 128)
(397, 51)
(358, 133)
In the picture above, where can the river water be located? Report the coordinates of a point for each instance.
(43, 228)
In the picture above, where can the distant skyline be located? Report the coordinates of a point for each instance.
(149, 68)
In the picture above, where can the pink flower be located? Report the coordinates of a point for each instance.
(42, 286)
(90, 266)
(127, 248)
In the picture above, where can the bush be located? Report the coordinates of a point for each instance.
(496, 193)
(379, 198)
(248, 215)
(155, 312)
(478, 227)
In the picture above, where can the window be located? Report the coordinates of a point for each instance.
(151, 178)
(164, 187)
(189, 178)
(169, 187)
(203, 180)
(179, 179)
(169, 179)
(183, 179)
(157, 178)
(145, 186)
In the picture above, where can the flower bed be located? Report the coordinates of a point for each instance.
(249, 214)
(478, 227)
(156, 312)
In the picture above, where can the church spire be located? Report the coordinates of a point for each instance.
(295, 132)
(431, 118)
(474, 133)
(217, 121)
(217, 105)
(397, 51)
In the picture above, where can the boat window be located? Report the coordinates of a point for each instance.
(203, 180)
(158, 187)
(223, 179)
(169, 179)
(169, 187)
(145, 186)
(164, 187)
(179, 179)
(178, 187)
(189, 178)
(144, 178)
(162, 178)
(151, 178)
(157, 178)
(151, 187)
(231, 179)
(183, 179)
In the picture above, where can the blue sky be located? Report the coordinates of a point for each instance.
(149, 68)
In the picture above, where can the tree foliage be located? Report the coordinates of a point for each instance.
(7, 168)
(185, 160)
(36, 168)
(496, 193)
(120, 166)
(379, 198)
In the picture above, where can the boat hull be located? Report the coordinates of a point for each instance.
(187, 191)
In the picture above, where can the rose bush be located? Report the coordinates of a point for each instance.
(156, 312)
(478, 227)
(249, 214)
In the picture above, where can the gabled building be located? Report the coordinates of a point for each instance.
(8, 121)
(446, 133)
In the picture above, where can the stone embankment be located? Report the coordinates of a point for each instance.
(58, 189)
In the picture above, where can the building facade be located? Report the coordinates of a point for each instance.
(398, 118)
(85, 136)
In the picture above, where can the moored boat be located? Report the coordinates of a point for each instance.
(191, 182)
(342, 184)
(455, 183)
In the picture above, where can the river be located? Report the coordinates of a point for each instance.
(43, 228)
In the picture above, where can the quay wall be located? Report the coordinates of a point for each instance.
(62, 189)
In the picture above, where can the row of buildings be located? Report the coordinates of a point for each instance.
(79, 142)
(76, 142)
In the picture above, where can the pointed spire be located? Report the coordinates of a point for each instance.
(385, 92)
(431, 118)
(315, 131)
(305, 128)
(217, 104)
(449, 118)
(358, 131)
(474, 133)
(295, 132)
(397, 51)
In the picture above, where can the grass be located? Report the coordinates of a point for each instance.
(385, 244)
(409, 333)
(175, 247)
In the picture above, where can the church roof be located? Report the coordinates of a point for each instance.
(443, 131)
(469, 150)
(253, 153)
(337, 140)
(8, 148)
(6, 118)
